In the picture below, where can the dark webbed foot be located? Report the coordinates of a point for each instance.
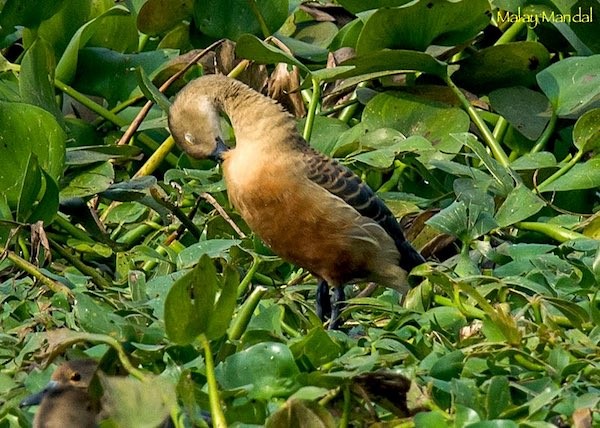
(323, 302)
(338, 304)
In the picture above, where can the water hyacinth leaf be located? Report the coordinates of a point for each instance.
(130, 402)
(213, 248)
(86, 155)
(423, 23)
(26, 13)
(301, 414)
(47, 206)
(586, 134)
(213, 17)
(189, 305)
(572, 85)
(582, 176)
(498, 396)
(505, 179)
(537, 160)
(89, 182)
(151, 92)
(520, 204)
(266, 369)
(510, 64)
(325, 132)
(158, 16)
(98, 66)
(67, 65)
(413, 115)
(527, 111)
(317, 33)
(251, 47)
(393, 59)
(28, 187)
(36, 83)
(28, 130)
(356, 6)
(225, 304)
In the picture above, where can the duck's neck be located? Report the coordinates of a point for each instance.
(257, 119)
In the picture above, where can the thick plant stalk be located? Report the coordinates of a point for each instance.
(213, 391)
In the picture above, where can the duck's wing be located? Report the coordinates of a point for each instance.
(343, 183)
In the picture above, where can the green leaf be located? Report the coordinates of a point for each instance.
(151, 92)
(510, 64)
(189, 305)
(29, 188)
(582, 176)
(266, 370)
(387, 60)
(86, 155)
(498, 396)
(448, 366)
(26, 13)
(301, 414)
(527, 111)
(520, 204)
(325, 132)
(586, 134)
(423, 23)
(129, 402)
(159, 16)
(90, 181)
(214, 248)
(28, 130)
(225, 305)
(98, 66)
(213, 17)
(572, 85)
(36, 83)
(531, 161)
(65, 69)
(47, 206)
(504, 178)
(413, 115)
(251, 47)
(355, 6)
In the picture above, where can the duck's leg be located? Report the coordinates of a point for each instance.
(337, 305)
(323, 302)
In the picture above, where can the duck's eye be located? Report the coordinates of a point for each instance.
(76, 377)
(189, 138)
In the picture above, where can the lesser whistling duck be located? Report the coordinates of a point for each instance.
(309, 209)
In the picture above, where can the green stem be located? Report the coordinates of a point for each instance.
(512, 33)
(245, 282)
(95, 276)
(238, 69)
(389, 185)
(468, 310)
(243, 317)
(187, 222)
(478, 121)
(554, 231)
(312, 109)
(95, 107)
(345, 419)
(259, 18)
(108, 115)
(500, 128)
(32, 270)
(213, 391)
(349, 110)
(540, 144)
(71, 229)
(542, 187)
